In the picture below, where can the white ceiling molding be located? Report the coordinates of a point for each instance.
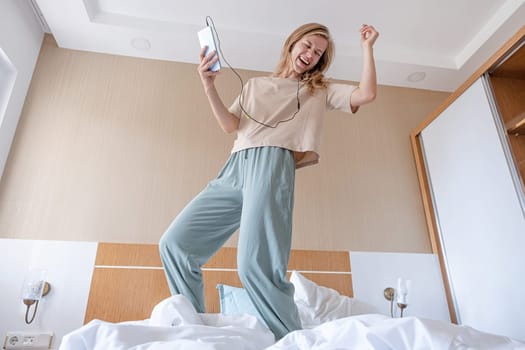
(444, 39)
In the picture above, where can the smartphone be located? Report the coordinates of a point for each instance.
(206, 38)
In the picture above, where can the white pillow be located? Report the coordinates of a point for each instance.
(318, 304)
(176, 310)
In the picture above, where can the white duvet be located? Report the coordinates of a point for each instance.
(174, 324)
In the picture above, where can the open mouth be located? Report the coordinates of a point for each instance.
(304, 61)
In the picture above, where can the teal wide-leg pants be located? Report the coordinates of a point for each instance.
(253, 192)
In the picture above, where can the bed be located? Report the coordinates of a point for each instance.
(130, 307)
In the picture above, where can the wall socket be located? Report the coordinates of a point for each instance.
(28, 340)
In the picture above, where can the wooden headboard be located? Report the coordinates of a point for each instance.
(128, 279)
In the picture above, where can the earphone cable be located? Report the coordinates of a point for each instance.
(210, 23)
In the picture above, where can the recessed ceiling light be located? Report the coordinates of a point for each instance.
(141, 44)
(416, 76)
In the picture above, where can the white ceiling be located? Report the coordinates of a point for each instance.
(445, 39)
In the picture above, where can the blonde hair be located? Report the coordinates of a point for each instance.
(315, 77)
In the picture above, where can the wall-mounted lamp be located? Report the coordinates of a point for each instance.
(400, 295)
(403, 287)
(389, 293)
(35, 287)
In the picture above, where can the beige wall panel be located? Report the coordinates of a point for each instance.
(111, 148)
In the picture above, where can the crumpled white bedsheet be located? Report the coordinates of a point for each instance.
(373, 331)
(175, 325)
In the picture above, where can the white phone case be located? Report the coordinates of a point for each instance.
(206, 38)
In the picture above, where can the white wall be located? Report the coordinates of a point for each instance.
(69, 267)
(20, 38)
(373, 272)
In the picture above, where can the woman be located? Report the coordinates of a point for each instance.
(278, 120)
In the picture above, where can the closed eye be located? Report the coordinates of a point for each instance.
(308, 46)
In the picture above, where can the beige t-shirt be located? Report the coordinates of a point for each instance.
(271, 99)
